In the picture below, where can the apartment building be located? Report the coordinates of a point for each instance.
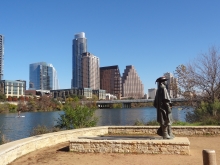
(110, 80)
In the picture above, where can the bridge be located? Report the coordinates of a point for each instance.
(127, 103)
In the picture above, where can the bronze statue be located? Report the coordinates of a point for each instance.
(163, 104)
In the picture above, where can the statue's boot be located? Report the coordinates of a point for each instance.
(165, 133)
(170, 132)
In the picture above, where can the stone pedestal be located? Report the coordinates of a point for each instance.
(178, 145)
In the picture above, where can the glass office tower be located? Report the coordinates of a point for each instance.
(79, 46)
(43, 76)
(1, 56)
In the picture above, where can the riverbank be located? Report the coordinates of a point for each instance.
(59, 154)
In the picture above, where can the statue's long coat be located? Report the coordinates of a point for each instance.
(161, 103)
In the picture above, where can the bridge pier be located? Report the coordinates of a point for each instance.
(126, 105)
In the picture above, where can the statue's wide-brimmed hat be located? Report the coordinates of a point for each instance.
(161, 79)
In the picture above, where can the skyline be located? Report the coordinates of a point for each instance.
(154, 37)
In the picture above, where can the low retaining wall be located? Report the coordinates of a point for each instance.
(13, 150)
(177, 130)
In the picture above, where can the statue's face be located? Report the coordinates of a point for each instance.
(164, 82)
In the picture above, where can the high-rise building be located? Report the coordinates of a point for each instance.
(79, 46)
(1, 56)
(90, 71)
(152, 93)
(171, 85)
(110, 80)
(43, 76)
(131, 83)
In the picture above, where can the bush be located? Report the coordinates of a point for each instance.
(41, 129)
(180, 123)
(119, 105)
(4, 108)
(205, 114)
(149, 123)
(139, 123)
(3, 140)
(77, 116)
(12, 108)
(210, 120)
(153, 123)
(2, 97)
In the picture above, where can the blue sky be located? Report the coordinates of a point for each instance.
(154, 36)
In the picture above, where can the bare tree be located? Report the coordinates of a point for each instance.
(200, 79)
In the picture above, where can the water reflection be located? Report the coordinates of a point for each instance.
(16, 128)
(129, 116)
(125, 116)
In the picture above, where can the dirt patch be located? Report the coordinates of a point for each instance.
(59, 155)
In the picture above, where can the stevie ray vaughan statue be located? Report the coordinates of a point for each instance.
(162, 103)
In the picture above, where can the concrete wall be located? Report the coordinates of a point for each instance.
(13, 150)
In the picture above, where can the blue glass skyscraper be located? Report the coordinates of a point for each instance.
(79, 46)
(42, 76)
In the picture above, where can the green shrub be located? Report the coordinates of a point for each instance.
(210, 120)
(3, 139)
(180, 123)
(119, 105)
(41, 129)
(12, 108)
(4, 108)
(149, 123)
(205, 114)
(139, 123)
(152, 123)
(77, 116)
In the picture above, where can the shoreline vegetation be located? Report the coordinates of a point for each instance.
(47, 104)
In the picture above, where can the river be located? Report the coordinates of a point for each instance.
(15, 128)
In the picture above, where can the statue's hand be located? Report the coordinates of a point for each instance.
(169, 109)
